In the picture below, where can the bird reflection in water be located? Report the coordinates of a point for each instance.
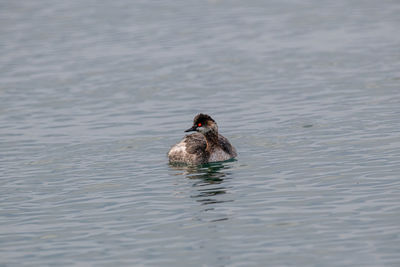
(208, 180)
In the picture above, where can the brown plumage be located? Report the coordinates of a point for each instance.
(207, 145)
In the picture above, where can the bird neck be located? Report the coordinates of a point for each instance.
(211, 139)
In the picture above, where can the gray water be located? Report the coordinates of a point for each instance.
(94, 93)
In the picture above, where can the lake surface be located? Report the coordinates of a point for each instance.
(93, 94)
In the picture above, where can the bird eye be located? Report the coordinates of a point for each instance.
(199, 124)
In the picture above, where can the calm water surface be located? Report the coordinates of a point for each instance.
(94, 93)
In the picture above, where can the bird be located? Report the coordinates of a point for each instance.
(204, 146)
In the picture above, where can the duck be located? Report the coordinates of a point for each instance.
(206, 145)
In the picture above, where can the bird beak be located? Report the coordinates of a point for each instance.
(192, 129)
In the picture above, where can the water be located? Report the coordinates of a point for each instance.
(94, 93)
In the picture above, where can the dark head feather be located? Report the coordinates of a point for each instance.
(202, 118)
